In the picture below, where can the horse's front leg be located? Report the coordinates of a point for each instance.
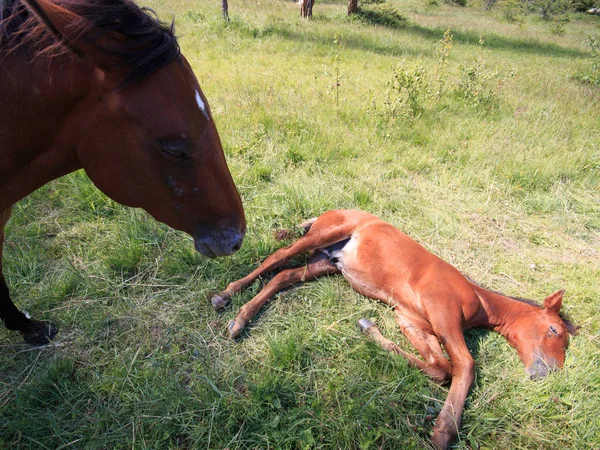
(319, 236)
(317, 266)
(33, 331)
(448, 421)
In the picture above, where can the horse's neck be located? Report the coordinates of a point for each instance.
(500, 310)
(36, 97)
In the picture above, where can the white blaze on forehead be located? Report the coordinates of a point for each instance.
(201, 104)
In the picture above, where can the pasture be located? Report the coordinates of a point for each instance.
(481, 143)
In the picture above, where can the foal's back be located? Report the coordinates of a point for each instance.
(383, 263)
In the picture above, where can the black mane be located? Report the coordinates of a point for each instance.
(148, 43)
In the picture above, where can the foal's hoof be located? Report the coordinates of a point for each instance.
(219, 302)
(235, 328)
(364, 325)
(39, 333)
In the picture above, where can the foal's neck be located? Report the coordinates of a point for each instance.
(501, 311)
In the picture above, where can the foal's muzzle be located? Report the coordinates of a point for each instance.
(222, 241)
(540, 368)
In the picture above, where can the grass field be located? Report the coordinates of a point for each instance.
(486, 153)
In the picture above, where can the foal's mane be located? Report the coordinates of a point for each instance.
(571, 326)
(148, 43)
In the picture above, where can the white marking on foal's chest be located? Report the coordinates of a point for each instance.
(201, 104)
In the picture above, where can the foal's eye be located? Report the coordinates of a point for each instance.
(553, 330)
(175, 148)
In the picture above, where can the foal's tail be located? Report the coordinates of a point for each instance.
(282, 235)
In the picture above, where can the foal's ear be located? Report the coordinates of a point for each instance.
(72, 30)
(554, 301)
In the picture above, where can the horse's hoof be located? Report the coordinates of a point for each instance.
(364, 325)
(219, 302)
(235, 328)
(39, 333)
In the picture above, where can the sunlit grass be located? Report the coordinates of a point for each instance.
(505, 188)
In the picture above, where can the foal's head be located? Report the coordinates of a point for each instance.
(541, 337)
(141, 127)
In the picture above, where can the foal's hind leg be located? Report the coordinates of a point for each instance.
(435, 365)
(318, 265)
(321, 234)
(33, 331)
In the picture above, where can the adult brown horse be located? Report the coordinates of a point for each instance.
(432, 301)
(101, 85)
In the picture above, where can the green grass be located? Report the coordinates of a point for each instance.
(498, 175)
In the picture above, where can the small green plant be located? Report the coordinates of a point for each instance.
(478, 84)
(558, 24)
(514, 10)
(338, 77)
(406, 92)
(441, 75)
(593, 76)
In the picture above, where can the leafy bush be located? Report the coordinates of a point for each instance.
(514, 10)
(584, 5)
(549, 8)
(382, 14)
(406, 91)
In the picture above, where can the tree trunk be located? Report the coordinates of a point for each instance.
(352, 7)
(225, 8)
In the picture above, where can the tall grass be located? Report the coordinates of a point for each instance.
(497, 172)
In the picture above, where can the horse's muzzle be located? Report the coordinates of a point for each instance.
(540, 368)
(223, 241)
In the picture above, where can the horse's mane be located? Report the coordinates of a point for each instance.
(571, 326)
(148, 45)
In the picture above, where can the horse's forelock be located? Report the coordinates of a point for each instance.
(148, 43)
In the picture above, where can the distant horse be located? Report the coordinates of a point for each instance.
(101, 85)
(433, 303)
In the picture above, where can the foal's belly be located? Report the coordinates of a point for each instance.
(363, 276)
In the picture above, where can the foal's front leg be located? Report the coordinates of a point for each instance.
(318, 265)
(317, 237)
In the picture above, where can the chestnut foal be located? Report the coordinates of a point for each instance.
(432, 301)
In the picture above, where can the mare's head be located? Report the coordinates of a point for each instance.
(541, 337)
(143, 130)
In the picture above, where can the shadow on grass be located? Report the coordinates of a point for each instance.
(498, 42)
(370, 17)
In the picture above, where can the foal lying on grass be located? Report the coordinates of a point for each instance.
(432, 301)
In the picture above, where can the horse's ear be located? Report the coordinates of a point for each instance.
(554, 301)
(70, 29)
(61, 22)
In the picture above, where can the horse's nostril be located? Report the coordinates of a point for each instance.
(237, 246)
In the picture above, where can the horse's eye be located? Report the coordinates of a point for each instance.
(175, 148)
(553, 330)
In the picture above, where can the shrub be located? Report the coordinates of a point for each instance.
(382, 14)
(584, 5)
(514, 10)
(407, 91)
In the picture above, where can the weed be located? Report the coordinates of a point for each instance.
(592, 76)
(407, 91)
